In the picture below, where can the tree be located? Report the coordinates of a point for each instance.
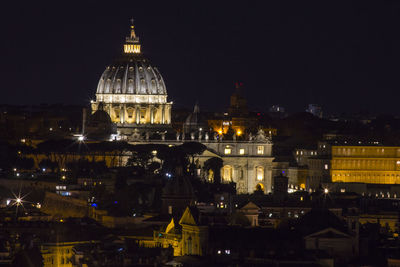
(215, 164)
(28, 257)
(192, 149)
(121, 178)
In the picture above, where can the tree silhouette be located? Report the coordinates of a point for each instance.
(215, 164)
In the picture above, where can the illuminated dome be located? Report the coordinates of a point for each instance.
(131, 74)
(132, 91)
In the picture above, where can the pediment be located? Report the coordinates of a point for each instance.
(250, 206)
(187, 218)
(328, 233)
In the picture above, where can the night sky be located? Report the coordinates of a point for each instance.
(343, 55)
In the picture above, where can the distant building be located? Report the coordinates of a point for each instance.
(238, 117)
(352, 162)
(366, 164)
(317, 160)
(315, 109)
(247, 163)
(277, 109)
(280, 191)
(195, 122)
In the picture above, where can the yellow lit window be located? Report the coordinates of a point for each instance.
(260, 150)
(260, 173)
(227, 151)
(241, 151)
(227, 173)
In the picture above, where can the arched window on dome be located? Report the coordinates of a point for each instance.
(153, 86)
(107, 86)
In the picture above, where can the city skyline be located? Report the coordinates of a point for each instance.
(289, 53)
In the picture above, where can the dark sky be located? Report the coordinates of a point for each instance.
(341, 54)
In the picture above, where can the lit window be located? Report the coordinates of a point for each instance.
(227, 151)
(260, 173)
(301, 153)
(326, 166)
(260, 150)
(241, 151)
(227, 173)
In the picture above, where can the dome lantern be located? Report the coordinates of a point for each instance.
(132, 44)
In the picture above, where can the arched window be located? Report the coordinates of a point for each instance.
(210, 176)
(260, 173)
(227, 171)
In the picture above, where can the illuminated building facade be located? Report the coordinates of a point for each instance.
(132, 92)
(366, 164)
(314, 165)
(188, 237)
(247, 163)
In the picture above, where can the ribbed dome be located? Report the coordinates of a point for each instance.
(132, 74)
